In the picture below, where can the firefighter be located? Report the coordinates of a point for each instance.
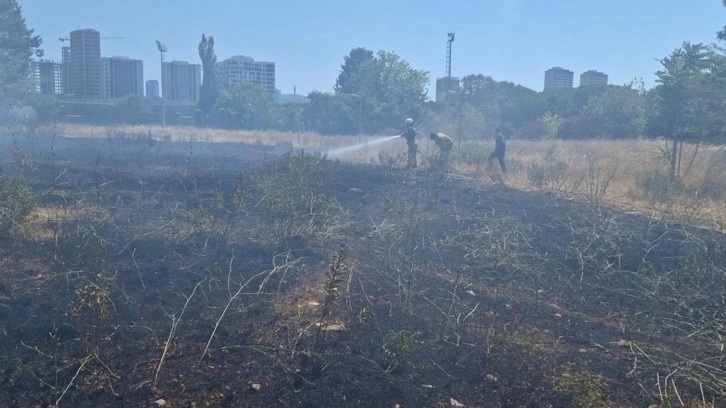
(500, 148)
(410, 135)
(445, 144)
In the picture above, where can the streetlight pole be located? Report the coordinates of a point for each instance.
(162, 49)
(459, 97)
(254, 115)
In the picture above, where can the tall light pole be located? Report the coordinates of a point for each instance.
(360, 115)
(459, 97)
(448, 61)
(162, 50)
(254, 115)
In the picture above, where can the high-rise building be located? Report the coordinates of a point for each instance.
(593, 77)
(152, 88)
(240, 69)
(558, 77)
(122, 76)
(181, 80)
(47, 77)
(66, 70)
(86, 71)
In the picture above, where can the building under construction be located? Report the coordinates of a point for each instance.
(47, 77)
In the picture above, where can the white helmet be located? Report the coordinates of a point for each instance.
(409, 121)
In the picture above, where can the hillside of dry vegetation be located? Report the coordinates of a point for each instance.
(628, 174)
(186, 273)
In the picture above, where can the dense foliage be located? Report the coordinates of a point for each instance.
(17, 46)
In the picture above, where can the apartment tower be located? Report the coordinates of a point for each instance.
(85, 64)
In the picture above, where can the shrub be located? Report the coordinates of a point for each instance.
(474, 153)
(290, 191)
(399, 345)
(16, 202)
(544, 174)
(657, 186)
(585, 388)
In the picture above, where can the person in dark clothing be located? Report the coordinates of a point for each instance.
(410, 135)
(500, 148)
(445, 144)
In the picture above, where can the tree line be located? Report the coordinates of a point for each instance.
(375, 91)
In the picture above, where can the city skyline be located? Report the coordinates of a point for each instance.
(512, 41)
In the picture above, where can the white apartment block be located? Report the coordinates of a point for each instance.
(181, 81)
(558, 77)
(122, 76)
(240, 69)
(593, 77)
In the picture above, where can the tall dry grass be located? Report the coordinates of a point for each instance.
(631, 174)
(305, 140)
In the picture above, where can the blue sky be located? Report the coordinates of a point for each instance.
(510, 40)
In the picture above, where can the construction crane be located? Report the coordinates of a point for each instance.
(63, 40)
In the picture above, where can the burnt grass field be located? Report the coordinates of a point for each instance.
(190, 274)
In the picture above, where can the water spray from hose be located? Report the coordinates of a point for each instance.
(335, 153)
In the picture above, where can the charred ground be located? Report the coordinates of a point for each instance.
(210, 275)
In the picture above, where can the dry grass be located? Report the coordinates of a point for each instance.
(612, 172)
(609, 172)
(308, 140)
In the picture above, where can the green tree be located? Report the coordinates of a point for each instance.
(17, 46)
(402, 90)
(504, 103)
(551, 124)
(385, 89)
(208, 93)
(358, 73)
(682, 97)
(330, 113)
(619, 112)
(246, 105)
(722, 34)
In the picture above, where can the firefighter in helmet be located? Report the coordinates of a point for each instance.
(410, 135)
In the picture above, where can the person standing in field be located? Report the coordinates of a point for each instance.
(500, 149)
(445, 144)
(410, 135)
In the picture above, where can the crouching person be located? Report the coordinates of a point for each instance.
(445, 144)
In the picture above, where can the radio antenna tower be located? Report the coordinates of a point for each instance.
(448, 63)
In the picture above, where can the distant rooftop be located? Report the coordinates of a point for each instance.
(243, 58)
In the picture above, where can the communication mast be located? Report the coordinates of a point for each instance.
(448, 63)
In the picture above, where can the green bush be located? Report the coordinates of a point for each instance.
(544, 174)
(473, 153)
(657, 186)
(16, 202)
(585, 388)
(399, 345)
(290, 191)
